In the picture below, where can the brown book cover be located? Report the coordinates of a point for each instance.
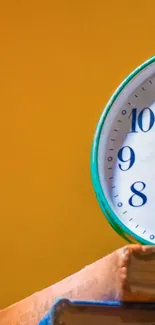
(66, 312)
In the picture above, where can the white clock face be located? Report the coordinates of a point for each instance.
(126, 155)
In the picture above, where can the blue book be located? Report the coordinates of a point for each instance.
(67, 312)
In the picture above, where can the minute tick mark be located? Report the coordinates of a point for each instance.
(119, 121)
(124, 212)
(130, 219)
(112, 139)
(116, 195)
(110, 177)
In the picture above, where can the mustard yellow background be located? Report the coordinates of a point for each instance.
(59, 63)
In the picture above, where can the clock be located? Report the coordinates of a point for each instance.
(123, 157)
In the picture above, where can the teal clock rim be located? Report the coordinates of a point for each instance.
(112, 218)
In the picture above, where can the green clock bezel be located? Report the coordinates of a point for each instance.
(112, 218)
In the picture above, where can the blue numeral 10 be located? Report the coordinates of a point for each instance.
(138, 119)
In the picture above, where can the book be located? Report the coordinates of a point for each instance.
(65, 312)
(141, 275)
(117, 289)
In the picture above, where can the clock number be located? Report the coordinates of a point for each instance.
(138, 193)
(122, 157)
(133, 120)
(138, 119)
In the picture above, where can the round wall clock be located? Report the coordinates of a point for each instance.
(123, 157)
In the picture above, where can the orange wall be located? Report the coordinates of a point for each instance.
(59, 63)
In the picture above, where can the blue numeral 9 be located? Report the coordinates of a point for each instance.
(130, 159)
